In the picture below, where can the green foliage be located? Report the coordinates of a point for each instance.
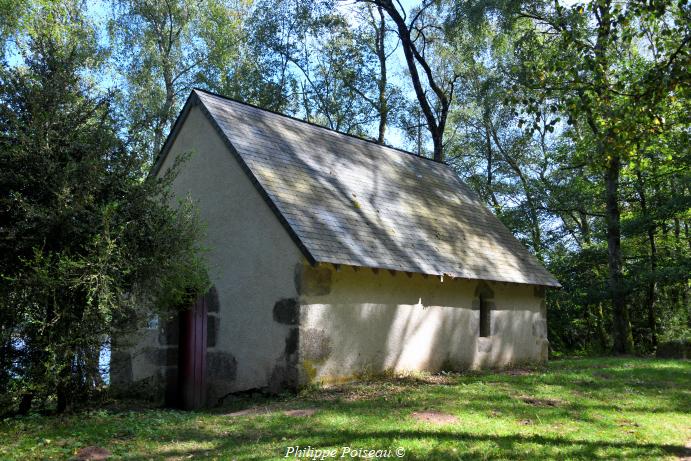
(11, 14)
(616, 71)
(88, 246)
(163, 49)
(575, 131)
(326, 65)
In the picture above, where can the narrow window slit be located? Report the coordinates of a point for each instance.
(485, 318)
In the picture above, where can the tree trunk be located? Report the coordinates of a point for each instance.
(601, 330)
(652, 287)
(536, 234)
(651, 295)
(381, 55)
(25, 404)
(685, 283)
(490, 166)
(623, 339)
(61, 398)
(602, 336)
(437, 141)
(164, 114)
(413, 57)
(92, 363)
(64, 390)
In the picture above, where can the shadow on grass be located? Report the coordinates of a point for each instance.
(381, 404)
(524, 446)
(600, 409)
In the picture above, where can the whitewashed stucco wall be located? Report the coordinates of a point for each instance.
(365, 321)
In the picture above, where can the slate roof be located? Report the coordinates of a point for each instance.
(345, 200)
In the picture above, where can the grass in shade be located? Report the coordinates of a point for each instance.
(606, 408)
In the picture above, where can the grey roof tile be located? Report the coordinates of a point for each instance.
(351, 201)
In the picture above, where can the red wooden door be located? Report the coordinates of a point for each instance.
(192, 356)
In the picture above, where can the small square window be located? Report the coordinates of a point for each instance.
(485, 318)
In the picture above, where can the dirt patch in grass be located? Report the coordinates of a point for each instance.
(301, 412)
(445, 379)
(92, 454)
(519, 372)
(360, 392)
(599, 366)
(434, 417)
(271, 410)
(627, 422)
(541, 402)
(365, 393)
(384, 387)
(254, 411)
(603, 375)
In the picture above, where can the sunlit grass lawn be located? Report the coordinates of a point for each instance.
(572, 409)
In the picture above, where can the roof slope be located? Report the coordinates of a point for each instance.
(350, 201)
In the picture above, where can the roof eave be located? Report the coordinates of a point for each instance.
(553, 283)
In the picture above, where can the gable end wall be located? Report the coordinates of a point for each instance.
(251, 260)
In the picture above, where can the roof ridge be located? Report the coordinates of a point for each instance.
(316, 125)
(475, 244)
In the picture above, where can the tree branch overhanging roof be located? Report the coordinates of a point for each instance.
(345, 200)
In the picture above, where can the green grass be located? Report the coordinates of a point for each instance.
(572, 409)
